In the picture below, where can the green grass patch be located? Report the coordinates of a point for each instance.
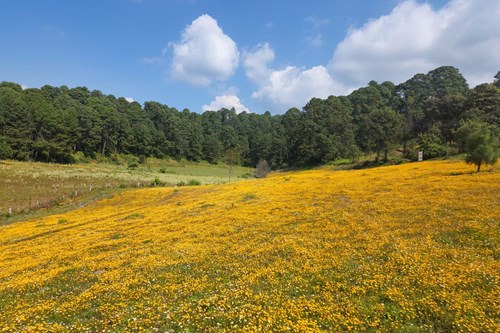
(31, 189)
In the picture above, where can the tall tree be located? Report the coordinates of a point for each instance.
(480, 142)
(381, 128)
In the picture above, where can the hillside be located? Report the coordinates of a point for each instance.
(59, 124)
(409, 248)
(29, 186)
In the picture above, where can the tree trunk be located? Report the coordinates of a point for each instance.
(385, 155)
(103, 147)
(478, 166)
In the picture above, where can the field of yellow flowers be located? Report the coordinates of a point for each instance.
(410, 248)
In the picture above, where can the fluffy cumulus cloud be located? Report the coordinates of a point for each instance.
(287, 87)
(204, 54)
(227, 102)
(415, 38)
(256, 62)
(129, 99)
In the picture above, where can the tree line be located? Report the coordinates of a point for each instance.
(431, 112)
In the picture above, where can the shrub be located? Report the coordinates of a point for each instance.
(157, 182)
(80, 157)
(194, 182)
(398, 161)
(245, 175)
(431, 143)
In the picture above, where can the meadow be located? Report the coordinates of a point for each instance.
(407, 248)
(28, 186)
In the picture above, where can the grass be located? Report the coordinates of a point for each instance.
(407, 248)
(27, 186)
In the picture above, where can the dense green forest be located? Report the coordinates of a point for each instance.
(428, 112)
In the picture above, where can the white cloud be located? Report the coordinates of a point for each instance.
(129, 99)
(315, 22)
(316, 40)
(314, 37)
(284, 88)
(204, 53)
(256, 63)
(24, 87)
(415, 38)
(227, 102)
(153, 60)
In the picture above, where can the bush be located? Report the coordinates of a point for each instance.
(80, 157)
(114, 158)
(431, 143)
(128, 159)
(398, 161)
(194, 182)
(245, 175)
(133, 166)
(157, 182)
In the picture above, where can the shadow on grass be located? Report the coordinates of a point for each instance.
(461, 173)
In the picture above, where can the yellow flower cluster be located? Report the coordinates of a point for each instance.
(410, 248)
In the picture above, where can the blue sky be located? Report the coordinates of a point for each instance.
(253, 55)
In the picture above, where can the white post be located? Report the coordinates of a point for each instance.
(420, 156)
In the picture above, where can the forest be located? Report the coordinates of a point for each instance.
(429, 112)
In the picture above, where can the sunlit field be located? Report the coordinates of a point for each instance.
(28, 186)
(409, 248)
